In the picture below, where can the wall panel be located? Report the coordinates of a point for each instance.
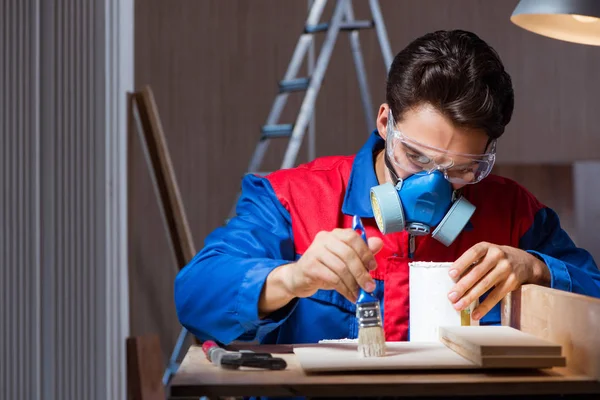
(19, 203)
(63, 276)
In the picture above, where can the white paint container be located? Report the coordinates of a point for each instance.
(429, 285)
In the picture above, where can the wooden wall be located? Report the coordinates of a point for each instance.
(214, 64)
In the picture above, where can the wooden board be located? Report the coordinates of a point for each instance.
(196, 377)
(569, 319)
(144, 368)
(161, 169)
(499, 341)
(465, 347)
(501, 347)
(399, 356)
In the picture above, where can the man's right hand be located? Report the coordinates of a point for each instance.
(338, 260)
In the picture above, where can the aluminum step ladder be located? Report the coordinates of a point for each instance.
(341, 20)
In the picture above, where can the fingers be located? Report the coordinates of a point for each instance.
(486, 268)
(341, 260)
(375, 245)
(337, 266)
(498, 274)
(356, 242)
(494, 297)
(354, 268)
(476, 276)
(332, 281)
(468, 258)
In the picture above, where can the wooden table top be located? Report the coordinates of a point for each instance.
(197, 377)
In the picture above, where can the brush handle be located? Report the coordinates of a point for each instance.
(363, 296)
(357, 225)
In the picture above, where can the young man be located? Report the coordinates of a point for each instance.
(287, 268)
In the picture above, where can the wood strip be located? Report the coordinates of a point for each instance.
(163, 177)
(144, 368)
(516, 362)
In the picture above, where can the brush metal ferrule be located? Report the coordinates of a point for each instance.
(368, 314)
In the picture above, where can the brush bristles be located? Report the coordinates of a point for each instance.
(371, 341)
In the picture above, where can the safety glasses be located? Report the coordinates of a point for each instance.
(418, 158)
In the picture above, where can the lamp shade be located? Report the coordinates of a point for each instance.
(576, 21)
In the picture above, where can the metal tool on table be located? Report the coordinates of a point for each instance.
(236, 359)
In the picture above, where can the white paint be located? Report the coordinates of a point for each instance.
(345, 340)
(429, 285)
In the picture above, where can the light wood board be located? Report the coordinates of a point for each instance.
(569, 319)
(501, 347)
(499, 341)
(399, 356)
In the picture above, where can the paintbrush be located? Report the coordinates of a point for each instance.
(371, 338)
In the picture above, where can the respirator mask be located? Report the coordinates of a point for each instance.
(425, 200)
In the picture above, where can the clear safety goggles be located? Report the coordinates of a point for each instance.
(417, 158)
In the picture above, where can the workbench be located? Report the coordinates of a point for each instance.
(570, 320)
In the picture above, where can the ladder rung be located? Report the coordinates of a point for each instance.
(294, 85)
(276, 131)
(354, 25)
(316, 28)
(344, 26)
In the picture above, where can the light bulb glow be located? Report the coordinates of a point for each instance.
(584, 18)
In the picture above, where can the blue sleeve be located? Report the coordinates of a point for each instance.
(571, 268)
(217, 293)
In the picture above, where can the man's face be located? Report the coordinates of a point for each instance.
(426, 137)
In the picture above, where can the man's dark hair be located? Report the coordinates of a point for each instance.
(457, 73)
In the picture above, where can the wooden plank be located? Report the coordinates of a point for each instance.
(338, 357)
(144, 368)
(197, 377)
(517, 362)
(498, 341)
(163, 177)
(568, 319)
(501, 347)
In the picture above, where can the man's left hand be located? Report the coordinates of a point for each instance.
(486, 266)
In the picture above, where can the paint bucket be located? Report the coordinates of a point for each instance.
(429, 285)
